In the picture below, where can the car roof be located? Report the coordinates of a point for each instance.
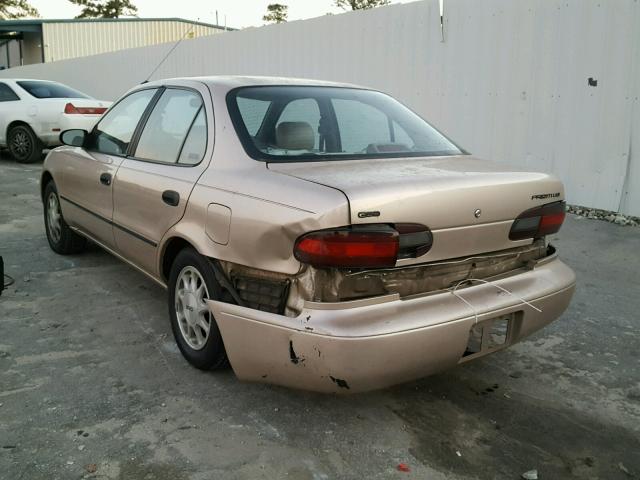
(234, 81)
(26, 80)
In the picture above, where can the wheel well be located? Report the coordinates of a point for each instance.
(171, 251)
(44, 181)
(15, 123)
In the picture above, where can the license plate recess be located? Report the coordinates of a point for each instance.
(489, 335)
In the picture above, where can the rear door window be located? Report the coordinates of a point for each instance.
(115, 131)
(166, 130)
(196, 143)
(6, 94)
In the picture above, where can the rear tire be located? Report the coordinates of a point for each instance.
(61, 238)
(191, 282)
(24, 145)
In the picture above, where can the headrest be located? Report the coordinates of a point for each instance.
(295, 136)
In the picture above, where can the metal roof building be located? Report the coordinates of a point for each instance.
(25, 42)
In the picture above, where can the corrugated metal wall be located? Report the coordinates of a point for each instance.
(78, 39)
(510, 80)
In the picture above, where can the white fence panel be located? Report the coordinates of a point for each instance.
(509, 81)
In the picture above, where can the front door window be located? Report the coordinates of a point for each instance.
(166, 130)
(115, 131)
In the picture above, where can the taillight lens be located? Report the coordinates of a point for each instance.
(71, 109)
(538, 222)
(363, 246)
(415, 240)
(349, 247)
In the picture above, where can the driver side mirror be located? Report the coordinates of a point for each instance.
(73, 138)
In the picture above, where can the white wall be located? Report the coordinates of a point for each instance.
(508, 82)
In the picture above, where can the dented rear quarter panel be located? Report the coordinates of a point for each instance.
(262, 230)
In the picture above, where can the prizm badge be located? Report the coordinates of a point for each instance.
(542, 196)
(368, 214)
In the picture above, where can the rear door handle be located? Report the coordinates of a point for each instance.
(171, 198)
(105, 179)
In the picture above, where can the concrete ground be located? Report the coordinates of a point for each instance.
(92, 385)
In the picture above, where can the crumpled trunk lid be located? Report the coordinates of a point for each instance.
(469, 204)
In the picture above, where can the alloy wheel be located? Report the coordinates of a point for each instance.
(21, 144)
(192, 312)
(54, 218)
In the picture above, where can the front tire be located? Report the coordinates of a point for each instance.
(24, 145)
(61, 238)
(192, 282)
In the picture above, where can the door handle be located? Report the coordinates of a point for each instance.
(105, 179)
(171, 198)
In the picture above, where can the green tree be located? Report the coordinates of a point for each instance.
(361, 4)
(16, 9)
(276, 13)
(105, 8)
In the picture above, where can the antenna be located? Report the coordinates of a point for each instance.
(170, 52)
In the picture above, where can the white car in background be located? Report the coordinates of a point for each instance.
(33, 113)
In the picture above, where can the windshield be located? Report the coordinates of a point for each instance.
(49, 90)
(294, 123)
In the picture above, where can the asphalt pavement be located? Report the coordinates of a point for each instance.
(93, 386)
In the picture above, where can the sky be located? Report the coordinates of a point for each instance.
(239, 13)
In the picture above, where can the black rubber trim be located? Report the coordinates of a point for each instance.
(106, 220)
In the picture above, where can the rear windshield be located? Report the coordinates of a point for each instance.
(49, 90)
(294, 123)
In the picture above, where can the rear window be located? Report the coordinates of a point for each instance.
(253, 112)
(49, 90)
(295, 123)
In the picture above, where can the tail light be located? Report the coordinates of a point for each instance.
(538, 222)
(415, 240)
(71, 109)
(363, 246)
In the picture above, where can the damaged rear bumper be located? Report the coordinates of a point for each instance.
(369, 344)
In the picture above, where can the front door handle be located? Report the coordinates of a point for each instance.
(171, 198)
(105, 179)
